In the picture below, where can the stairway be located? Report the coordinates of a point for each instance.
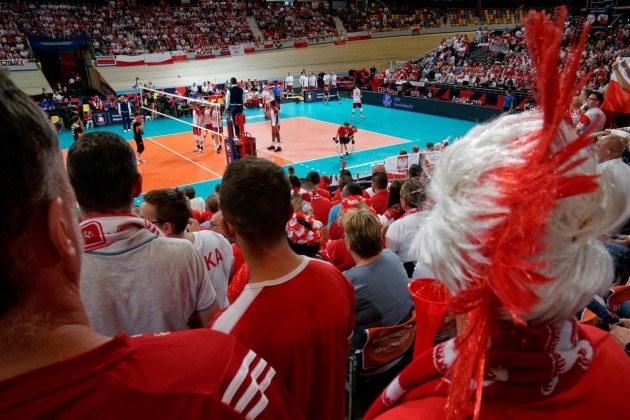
(254, 27)
(339, 25)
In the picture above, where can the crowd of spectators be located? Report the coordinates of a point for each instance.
(13, 45)
(509, 65)
(391, 18)
(129, 28)
(278, 21)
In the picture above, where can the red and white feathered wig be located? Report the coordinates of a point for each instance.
(517, 216)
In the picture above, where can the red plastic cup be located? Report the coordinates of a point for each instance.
(430, 298)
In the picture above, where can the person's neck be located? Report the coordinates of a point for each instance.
(45, 332)
(269, 262)
(125, 210)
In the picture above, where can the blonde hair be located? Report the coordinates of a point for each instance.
(363, 232)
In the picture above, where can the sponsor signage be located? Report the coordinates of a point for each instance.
(100, 119)
(430, 106)
(18, 65)
(317, 95)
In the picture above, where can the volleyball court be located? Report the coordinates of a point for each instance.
(176, 159)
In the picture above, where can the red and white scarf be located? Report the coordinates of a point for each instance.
(542, 358)
(104, 230)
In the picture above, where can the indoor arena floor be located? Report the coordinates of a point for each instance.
(306, 131)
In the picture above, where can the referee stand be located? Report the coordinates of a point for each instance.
(238, 148)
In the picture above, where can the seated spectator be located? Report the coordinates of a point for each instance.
(44, 329)
(89, 119)
(306, 235)
(516, 280)
(378, 167)
(172, 208)
(128, 256)
(381, 194)
(314, 177)
(320, 205)
(400, 234)
(196, 203)
(394, 211)
(276, 313)
(336, 247)
(379, 278)
(335, 229)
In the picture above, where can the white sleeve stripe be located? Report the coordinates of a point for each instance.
(230, 317)
(260, 367)
(253, 387)
(247, 397)
(264, 384)
(238, 379)
(258, 408)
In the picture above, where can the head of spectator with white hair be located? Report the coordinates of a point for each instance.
(514, 234)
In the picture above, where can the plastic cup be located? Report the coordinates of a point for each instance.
(430, 298)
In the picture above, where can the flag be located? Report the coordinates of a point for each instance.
(617, 102)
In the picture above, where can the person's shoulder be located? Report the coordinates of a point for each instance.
(172, 244)
(172, 364)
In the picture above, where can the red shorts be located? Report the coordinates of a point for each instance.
(196, 131)
(357, 105)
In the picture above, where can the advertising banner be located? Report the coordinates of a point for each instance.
(129, 60)
(204, 55)
(179, 55)
(105, 60)
(158, 59)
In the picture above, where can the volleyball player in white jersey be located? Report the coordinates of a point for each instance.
(304, 82)
(267, 97)
(356, 101)
(198, 122)
(333, 84)
(289, 83)
(210, 124)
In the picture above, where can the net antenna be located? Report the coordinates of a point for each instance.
(188, 101)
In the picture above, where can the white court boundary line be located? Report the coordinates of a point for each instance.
(183, 157)
(362, 129)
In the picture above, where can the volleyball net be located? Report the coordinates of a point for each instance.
(207, 113)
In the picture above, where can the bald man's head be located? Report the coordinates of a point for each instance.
(379, 167)
(609, 147)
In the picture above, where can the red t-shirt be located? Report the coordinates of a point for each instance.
(379, 201)
(300, 323)
(339, 255)
(191, 374)
(343, 131)
(321, 207)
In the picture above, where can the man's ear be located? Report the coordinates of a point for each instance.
(228, 229)
(137, 185)
(167, 229)
(62, 231)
